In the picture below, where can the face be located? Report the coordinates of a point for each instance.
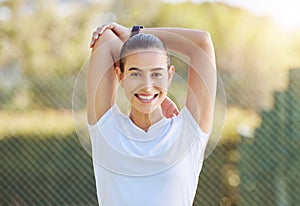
(145, 79)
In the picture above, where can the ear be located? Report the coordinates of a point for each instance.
(120, 75)
(171, 72)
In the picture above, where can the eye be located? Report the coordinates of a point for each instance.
(135, 74)
(156, 74)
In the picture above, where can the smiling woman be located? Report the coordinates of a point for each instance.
(145, 80)
(154, 155)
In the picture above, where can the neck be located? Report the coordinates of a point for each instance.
(145, 120)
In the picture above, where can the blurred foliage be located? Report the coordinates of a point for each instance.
(239, 118)
(38, 123)
(132, 12)
(271, 162)
(43, 41)
(45, 45)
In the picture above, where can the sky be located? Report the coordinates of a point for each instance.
(283, 12)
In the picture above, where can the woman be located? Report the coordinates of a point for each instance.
(154, 155)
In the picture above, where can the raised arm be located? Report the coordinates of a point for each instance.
(197, 45)
(102, 82)
(97, 106)
(180, 36)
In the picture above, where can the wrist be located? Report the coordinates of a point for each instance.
(136, 29)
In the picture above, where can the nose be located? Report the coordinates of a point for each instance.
(147, 82)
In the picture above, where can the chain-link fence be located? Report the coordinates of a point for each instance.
(42, 159)
(47, 165)
(269, 166)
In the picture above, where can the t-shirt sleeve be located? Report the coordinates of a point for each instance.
(191, 122)
(94, 128)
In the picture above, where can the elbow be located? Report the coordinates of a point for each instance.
(204, 41)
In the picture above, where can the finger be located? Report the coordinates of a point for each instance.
(98, 29)
(112, 25)
(173, 111)
(169, 112)
(92, 43)
(95, 36)
(176, 112)
(103, 28)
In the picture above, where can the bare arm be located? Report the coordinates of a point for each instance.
(102, 81)
(197, 45)
(198, 37)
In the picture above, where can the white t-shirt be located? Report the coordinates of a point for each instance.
(155, 168)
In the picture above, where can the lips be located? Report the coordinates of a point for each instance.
(146, 98)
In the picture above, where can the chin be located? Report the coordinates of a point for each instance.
(146, 109)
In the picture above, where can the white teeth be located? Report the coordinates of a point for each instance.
(146, 97)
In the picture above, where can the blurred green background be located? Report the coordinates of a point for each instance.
(44, 45)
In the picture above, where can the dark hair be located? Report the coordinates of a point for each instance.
(142, 41)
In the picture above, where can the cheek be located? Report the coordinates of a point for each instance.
(162, 83)
(130, 85)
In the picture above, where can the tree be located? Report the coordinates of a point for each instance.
(269, 166)
(49, 45)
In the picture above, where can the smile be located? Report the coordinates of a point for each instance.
(146, 98)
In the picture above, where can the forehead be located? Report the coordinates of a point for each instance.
(146, 59)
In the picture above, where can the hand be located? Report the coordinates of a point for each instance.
(122, 32)
(169, 108)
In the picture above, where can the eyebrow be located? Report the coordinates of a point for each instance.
(157, 69)
(138, 69)
(134, 68)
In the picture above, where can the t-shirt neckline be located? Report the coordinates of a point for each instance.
(127, 127)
